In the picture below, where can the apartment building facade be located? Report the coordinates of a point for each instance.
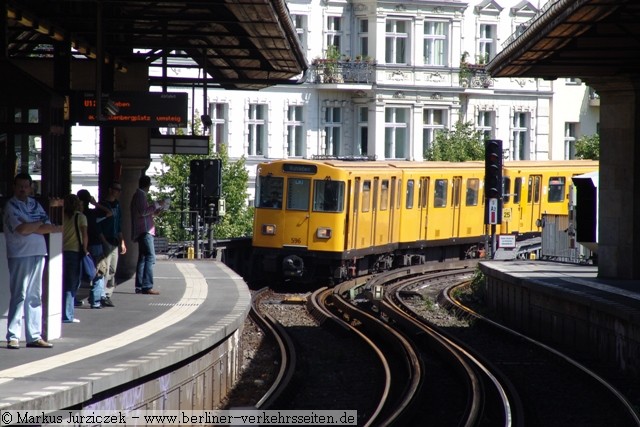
(386, 76)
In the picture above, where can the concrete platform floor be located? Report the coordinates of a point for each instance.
(201, 303)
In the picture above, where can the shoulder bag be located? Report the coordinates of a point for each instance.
(88, 266)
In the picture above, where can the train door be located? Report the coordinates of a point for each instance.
(423, 205)
(296, 221)
(352, 227)
(392, 212)
(363, 225)
(374, 209)
(534, 190)
(517, 205)
(455, 206)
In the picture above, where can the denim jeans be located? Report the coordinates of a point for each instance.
(146, 260)
(97, 285)
(71, 266)
(25, 283)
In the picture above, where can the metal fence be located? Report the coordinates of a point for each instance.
(559, 241)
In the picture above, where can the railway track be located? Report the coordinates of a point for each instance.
(411, 369)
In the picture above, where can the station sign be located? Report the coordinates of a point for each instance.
(131, 109)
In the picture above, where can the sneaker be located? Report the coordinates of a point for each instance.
(39, 344)
(138, 291)
(106, 302)
(96, 306)
(71, 321)
(13, 344)
(78, 303)
(150, 292)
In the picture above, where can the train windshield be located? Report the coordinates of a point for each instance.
(328, 196)
(298, 190)
(270, 192)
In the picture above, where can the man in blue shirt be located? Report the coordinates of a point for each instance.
(112, 239)
(25, 222)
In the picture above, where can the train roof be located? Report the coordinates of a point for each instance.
(406, 164)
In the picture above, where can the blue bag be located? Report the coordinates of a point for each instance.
(88, 268)
(87, 265)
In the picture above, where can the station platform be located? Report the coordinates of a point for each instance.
(147, 351)
(568, 306)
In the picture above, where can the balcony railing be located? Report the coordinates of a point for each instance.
(328, 71)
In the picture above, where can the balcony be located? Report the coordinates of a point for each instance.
(474, 76)
(328, 71)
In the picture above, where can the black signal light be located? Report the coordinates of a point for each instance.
(493, 169)
(493, 181)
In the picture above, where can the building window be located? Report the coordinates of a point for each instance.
(218, 113)
(486, 43)
(334, 31)
(396, 132)
(295, 131)
(363, 131)
(520, 132)
(433, 120)
(570, 140)
(300, 24)
(485, 123)
(397, 40)
(256, 130)
(363, 37)
(435, 43)
(333, 130)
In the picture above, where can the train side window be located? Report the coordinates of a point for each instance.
(384, 195)
(556, 189)
(534, 189)
(328, 196)
(424, 192)
(298, 190)
(506, 189)
(455, 197)
(410, 190)
(270, 192)
(473, 185)
(366, 196)
(440, 193)
(517, 190)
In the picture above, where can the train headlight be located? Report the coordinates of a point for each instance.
(323, 233)
(269, 229)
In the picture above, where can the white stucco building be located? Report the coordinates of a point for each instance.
(405, 70)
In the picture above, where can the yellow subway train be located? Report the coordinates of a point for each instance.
(339, 219)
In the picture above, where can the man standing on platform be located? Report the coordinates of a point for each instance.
(112, 239)
(143, 231)
(25, 222)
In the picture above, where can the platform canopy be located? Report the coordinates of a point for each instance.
(241, 44)
(574, 38)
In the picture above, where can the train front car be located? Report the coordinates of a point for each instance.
(299, 223)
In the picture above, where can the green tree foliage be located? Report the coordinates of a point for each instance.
(588, 147)
(459, 144)
(172, 183)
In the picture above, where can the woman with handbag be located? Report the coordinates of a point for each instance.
(74, 249)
